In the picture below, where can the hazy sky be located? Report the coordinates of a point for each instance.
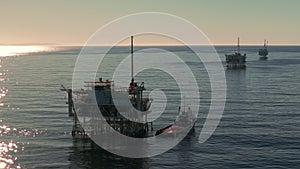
(74, 21)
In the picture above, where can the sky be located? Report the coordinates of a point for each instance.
(62, 22)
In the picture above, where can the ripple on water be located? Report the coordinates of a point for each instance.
(9, 149)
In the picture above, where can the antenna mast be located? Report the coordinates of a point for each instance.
(238, 44)
(131, 57)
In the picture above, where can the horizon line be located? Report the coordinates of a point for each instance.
(76, 44)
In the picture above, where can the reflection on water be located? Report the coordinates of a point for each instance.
(21, 50)
(8, 149)
(3, 90)
(88, 154)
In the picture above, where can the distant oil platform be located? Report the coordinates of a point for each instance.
(236, 60)
(263, 52)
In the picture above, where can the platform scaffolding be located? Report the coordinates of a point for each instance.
(135, 124)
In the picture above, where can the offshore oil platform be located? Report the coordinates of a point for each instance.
(104, 90)
(128, 119)
(236, 60)
(263, 52)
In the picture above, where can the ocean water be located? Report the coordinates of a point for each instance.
(260, 127)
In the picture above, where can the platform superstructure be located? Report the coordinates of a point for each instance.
(128, 118)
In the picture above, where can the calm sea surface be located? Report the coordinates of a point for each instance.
(260, 127)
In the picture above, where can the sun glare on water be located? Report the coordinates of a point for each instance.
(21, 50)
